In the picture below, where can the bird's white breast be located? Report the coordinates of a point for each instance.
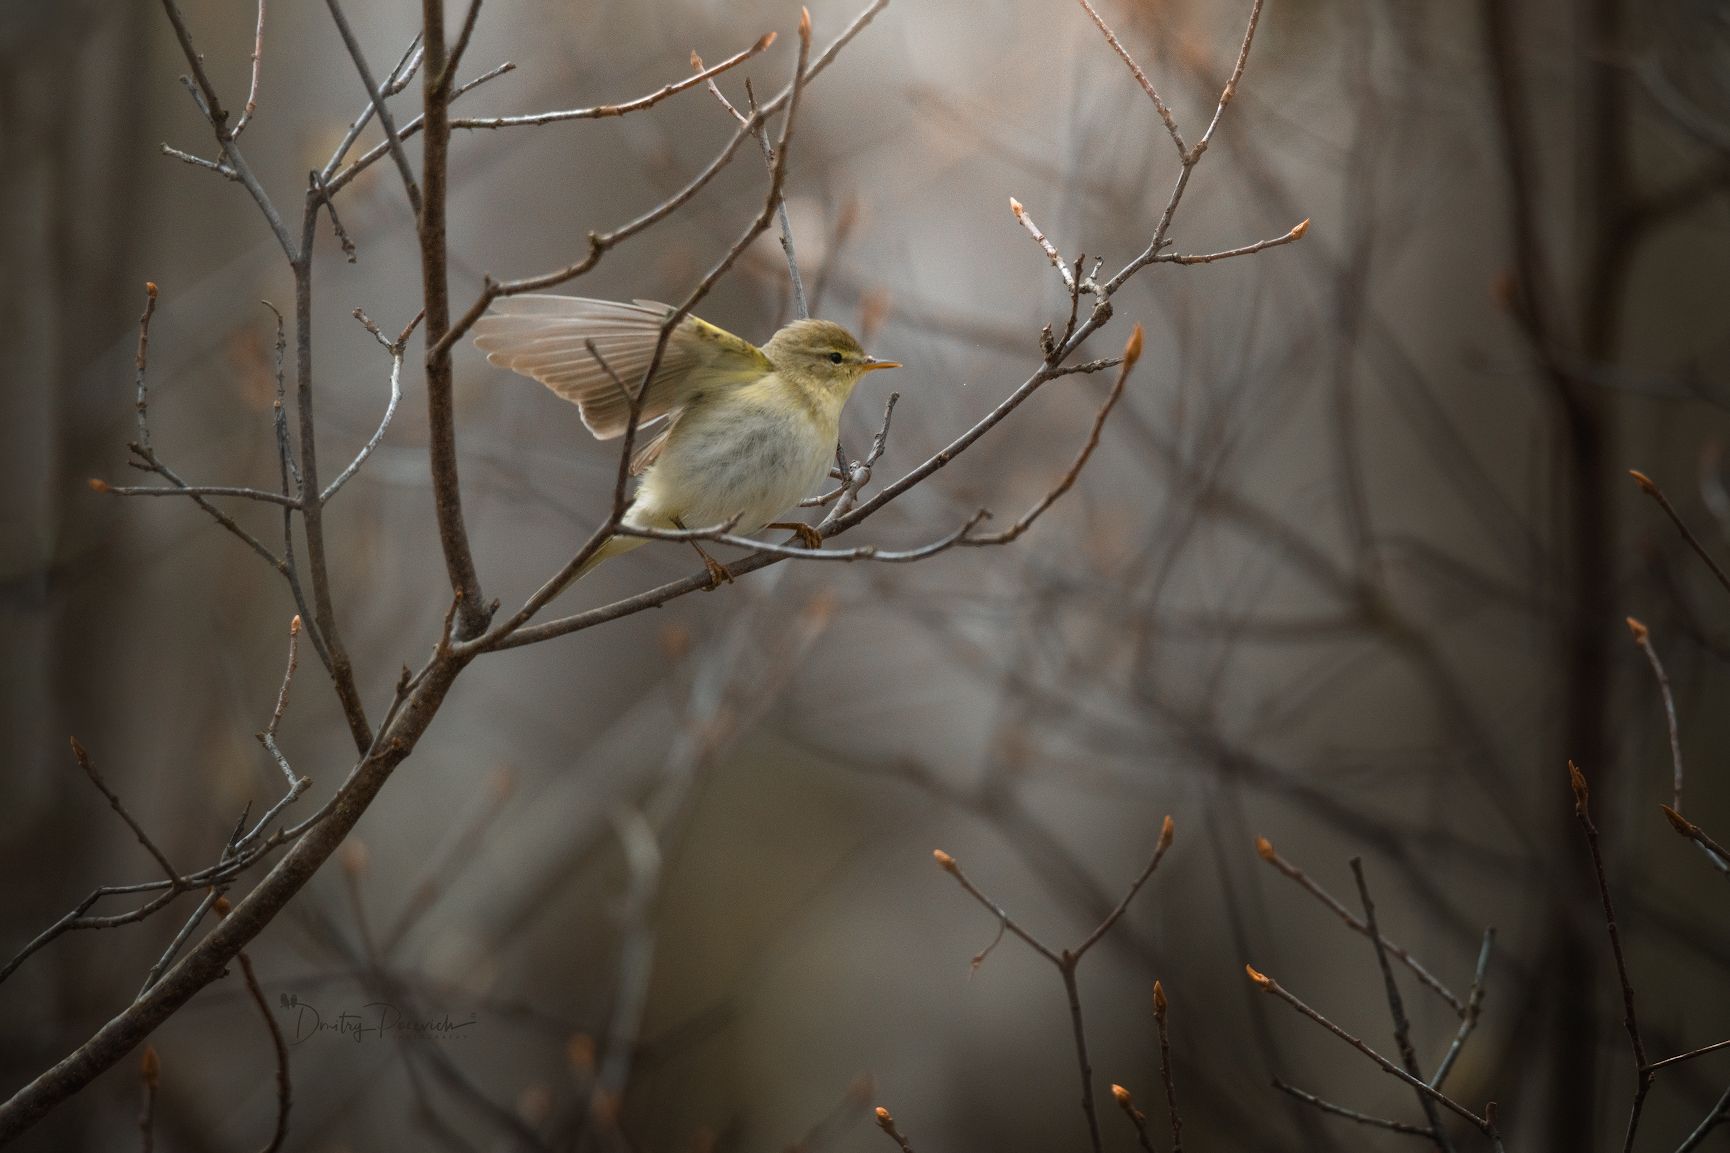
(757, 454)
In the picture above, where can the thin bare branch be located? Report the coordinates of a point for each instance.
(257, 62)
(1166, 830)
(1643, 638)
(380, 106)
(1140, 77)
(1651, 489)
(1160, 1009)
(1469, 1019)
(1296, 233)
(1069, 279)
(1350, 1114)
(602, 111)
(89, 767)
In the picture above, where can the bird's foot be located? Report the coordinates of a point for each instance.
(808, 536)
(718, 574)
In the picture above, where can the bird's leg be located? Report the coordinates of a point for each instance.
(718, 574)
(808, 536)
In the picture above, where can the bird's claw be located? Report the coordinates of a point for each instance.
(808, 537)
(718, 574)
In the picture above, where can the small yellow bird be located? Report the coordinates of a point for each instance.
(742, 431)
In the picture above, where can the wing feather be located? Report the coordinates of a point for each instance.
(546, 338)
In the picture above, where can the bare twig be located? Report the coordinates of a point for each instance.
(279, 1046)
(1140, 78)
(1716, 1116)
(385, 119)
(1351, 1114)
(1469, 1019)
(1264, 848)
(399, 77)
(396, 350)
(1269, 985)
(1718, 854)
(1166, 830)
(1136, 1117)
(1131, 353)
(1643, 638)
(89, 767)
(1296, 233)
(602, 111)
(1397, 1008)
(1642, 1073)
(887, 1123)
(252, 89)
(142, 361)
(218, 117)
(1070, 280)
(1651, 489)
(1160, 1009)
(1689, 1055)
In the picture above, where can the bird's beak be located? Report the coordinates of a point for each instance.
(872, 364)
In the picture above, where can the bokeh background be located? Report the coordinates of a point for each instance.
(1348, 571)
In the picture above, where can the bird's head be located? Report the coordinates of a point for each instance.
(823, 353)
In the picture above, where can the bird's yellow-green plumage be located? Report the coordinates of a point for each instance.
(741, 430)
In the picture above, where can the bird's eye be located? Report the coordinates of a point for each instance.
(834, 358)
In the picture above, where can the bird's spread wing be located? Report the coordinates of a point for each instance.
(546, 337)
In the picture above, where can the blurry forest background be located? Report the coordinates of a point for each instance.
(1348, 571)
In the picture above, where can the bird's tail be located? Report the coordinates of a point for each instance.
(612, 547)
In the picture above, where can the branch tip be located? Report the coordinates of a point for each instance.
(763, 42)
(1644, 481)
(222, 906)
(944, 860)
(294, 626)
(1680, 823)
(150, 289)
(1159, 1001)
(883, 1117)
(150, 1066)
(1582, 793)
(1300, 228)
(804, 23)
(97, 484)
(1264, 848)
(1169, 827)
(1131, 354)
(1639, 630)
(1122, 1096)
(1258, 976)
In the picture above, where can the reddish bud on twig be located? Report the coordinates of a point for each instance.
(294, 626)
(1258, 977)
(1639, 630)
(805, 23)
(1680, 823)
(944, 860)
(763, 43)
(150, 1065)
(1300, 228)
(1644, 481)
(97, 484)
(222, 906)
(150, 289)
(1131, 354)
(1582, 794)
(1158, 1000)
(1264, 848)
(884, 1120)
(1167, 828)
(1122, 1095)
(1015, 207)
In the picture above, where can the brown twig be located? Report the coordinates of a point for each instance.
(1070, 280)
(1160, 1009)
(1642, 1073)
(1131, 353)
(1136, 1117)
(279, 1046)
(1269, 985)
(1651, 489)
(141, 361)
(89, 767)
(603, 111)
(1397, 1009)
(380, 107)
(1140, 77)
(887, 1123)
(252, 89)
(1352, 1114)
(1296, 233)
(1264, 848)
(1718, 854)
(1643, 638)
(1469, 1019)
